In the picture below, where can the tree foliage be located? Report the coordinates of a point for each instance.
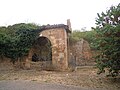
(86, 35)
(108, 40)
(16, 40)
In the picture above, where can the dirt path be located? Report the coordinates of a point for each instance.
(84, 77)
(30, 85)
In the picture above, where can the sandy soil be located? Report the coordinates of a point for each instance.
(83, 77)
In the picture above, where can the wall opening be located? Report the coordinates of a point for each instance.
(42, 53)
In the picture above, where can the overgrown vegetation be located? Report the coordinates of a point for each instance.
(108, 40)
(16, 40)
(86, 35)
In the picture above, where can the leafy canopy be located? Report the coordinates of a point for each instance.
(16, 40)
(108, 40)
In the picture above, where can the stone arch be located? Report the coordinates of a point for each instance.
(58, 36)
(35, 49)
(42, 49)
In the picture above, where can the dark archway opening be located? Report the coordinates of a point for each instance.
(42, 52)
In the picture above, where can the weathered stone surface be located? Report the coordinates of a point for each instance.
(57, 34)
(81, 54)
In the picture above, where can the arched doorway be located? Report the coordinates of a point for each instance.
(57, 35)
(42, 53)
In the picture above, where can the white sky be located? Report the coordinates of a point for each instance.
(82, 13)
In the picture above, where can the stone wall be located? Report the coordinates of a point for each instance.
(58, 39)
(81, 54)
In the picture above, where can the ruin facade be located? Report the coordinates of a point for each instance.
(81, 53)
(58, 36)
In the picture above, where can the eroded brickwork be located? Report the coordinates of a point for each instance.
(58, 38)
(81, 53)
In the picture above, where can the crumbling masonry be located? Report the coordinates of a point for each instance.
(58, 35)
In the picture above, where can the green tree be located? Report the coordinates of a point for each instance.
(108, 40)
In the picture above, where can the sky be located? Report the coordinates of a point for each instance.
(82, 13)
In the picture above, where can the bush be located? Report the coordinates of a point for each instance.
(16, 40)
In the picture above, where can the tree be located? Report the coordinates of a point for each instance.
(108, 40)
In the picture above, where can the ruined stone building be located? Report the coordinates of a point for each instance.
(81, 54)
(52, 45)
(53, 49)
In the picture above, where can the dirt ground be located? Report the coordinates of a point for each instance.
(84, 76)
